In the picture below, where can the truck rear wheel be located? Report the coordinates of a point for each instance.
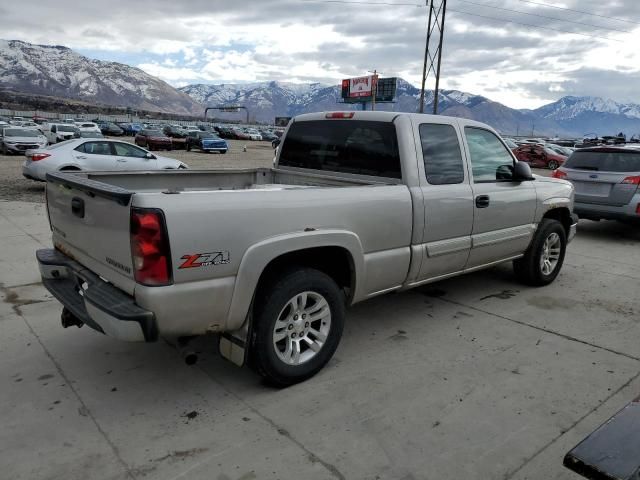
(298, 322)
(543, 259)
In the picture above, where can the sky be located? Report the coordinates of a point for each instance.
(487, 51)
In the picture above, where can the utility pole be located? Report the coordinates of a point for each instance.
(433, 49)
(374, 88)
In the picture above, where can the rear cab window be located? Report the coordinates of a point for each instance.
(441, 152)
(344, 146)
(605, 161)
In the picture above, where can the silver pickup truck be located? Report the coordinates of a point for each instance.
(358, 204)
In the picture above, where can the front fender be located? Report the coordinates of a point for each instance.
(258, 256)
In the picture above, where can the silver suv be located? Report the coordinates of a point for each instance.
(607, 182)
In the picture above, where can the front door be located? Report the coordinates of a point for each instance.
(504, 210)
(130, 157)
(448, 200)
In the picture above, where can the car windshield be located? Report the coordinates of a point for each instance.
(91, 135)
(209, 136)
(605, 161)
(153, 133)
(67, 128)
(18, 132)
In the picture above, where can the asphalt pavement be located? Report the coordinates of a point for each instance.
(476, 377)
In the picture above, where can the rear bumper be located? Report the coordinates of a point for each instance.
(93, 301)
(593, 211)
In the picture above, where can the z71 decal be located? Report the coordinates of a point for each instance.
(204, 259)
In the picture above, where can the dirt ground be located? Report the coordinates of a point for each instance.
(13, 186)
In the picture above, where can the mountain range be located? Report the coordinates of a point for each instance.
(60, 72)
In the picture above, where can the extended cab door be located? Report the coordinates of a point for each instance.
(448, 199)
(504, 210)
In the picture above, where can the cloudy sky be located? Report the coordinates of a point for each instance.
(224, 41)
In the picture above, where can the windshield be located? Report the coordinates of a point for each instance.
(605, 161)
(91, 135)
(67, 128)
(17, 132)
(153, 133)
(209, 136)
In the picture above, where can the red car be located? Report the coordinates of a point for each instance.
(539, 156)
(153, 140)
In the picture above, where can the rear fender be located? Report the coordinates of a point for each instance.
(261, 254)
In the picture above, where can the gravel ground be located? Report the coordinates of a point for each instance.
(13, 186)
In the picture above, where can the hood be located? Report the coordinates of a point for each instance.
(159, 139)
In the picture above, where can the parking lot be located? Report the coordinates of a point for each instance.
(475, 377)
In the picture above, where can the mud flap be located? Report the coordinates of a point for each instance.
(612, 451)
(234, 345)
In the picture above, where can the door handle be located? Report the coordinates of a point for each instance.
(77, 207)
(482, 201)
(120, 160)
(81, 157)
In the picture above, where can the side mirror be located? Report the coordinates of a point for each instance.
(522, 172)
(275, 143)
(150, 156)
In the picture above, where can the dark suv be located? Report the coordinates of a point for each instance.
(607, 182)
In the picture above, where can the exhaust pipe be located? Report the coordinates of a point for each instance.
(189, 355)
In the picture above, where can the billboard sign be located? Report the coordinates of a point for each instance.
(385, 89)
(362, 86)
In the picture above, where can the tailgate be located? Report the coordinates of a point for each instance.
(90, 222)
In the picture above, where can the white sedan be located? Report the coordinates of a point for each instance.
(92, 154)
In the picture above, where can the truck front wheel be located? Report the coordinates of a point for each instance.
(543, 259)
(298, 322)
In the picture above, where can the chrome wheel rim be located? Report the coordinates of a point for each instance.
(550, 254)
(302, 328)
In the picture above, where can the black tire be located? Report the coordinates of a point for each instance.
(223, 152)
(188, 148)
(149, 147)
(528, 269)
(5, 151)
(552, 165)
(269, 305)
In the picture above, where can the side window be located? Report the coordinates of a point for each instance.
(81, 148)
(441, 152)
(53, 129)
(97, 148)
(126, 150)
(490, 160)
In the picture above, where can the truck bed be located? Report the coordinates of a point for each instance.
(222, 180)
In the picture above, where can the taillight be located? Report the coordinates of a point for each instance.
(35, 157)
(339, 115)
(557, 173)
(632, 180)
(150, 247)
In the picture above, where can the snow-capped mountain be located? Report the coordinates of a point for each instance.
(570, 107)
(60, 72)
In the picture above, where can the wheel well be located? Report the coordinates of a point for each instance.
(336, 262)
(562, 215)
(68, 168)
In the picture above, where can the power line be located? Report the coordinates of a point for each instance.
(578, 11)
(543, 16)
(367, 2)
(534, 26)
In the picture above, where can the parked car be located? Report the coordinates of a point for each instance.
(270, 259)
(59, 132)
(131, 129)
(206, 142)
(560, 150)
(240, 134)
(111, 129)
(253, 134)
(91, 134)
(225, 132)
(510, 143)
(268, 135)
(153, 140)
(607, 182)
(88, 127)
(93, 155)
(18, 140)
(177, 135)
(539, 156)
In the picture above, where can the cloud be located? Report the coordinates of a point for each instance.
(221, 41)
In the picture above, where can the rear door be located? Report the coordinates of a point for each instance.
(604, 176)
(448, 199)
(504, 210)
